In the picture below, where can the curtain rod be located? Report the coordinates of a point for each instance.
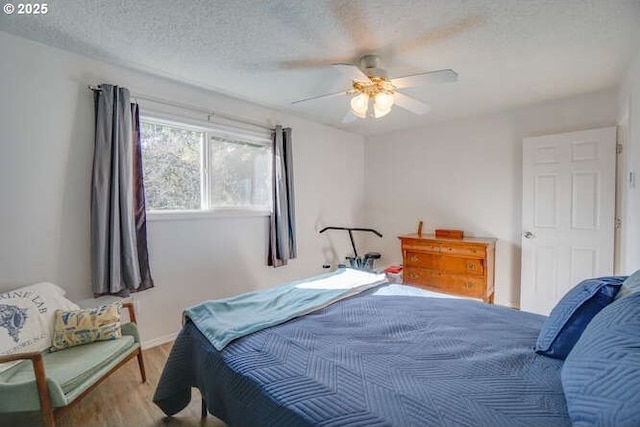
(191, 108)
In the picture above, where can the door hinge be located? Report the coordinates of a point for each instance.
(618, 224)
(619, 148)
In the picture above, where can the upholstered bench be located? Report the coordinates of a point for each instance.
(53, 381)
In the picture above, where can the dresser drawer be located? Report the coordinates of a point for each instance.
(449, 264)
(424, 260)
(469, 286)
(464, 250)
(461, 265)
(418, 246)
(419, 276)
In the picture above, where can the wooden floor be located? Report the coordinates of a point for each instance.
(122, 400)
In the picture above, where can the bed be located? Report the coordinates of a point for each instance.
(385, 357)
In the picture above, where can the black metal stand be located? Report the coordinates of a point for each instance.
(356, 261)
(204, 412)
(351, 230)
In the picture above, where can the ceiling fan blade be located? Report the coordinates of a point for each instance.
(302, 64)
(349, 117)
(440, 34)
(420, 79)
(352, 16)
(410, 104)
(328, 95)
(352, 72)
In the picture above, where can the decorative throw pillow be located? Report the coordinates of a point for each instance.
(573, 313)
(600, 377)
(86, 326)
(26, 318)
(631, 285)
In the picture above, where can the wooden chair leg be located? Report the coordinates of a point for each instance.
(143, 374)
(204, 412)
(48, 418)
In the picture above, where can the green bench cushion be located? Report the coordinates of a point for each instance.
(69, 372)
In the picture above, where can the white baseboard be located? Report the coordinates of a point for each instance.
(159, 341)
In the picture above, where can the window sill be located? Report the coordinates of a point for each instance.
(204, 214)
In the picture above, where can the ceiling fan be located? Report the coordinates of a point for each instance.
(373, 93)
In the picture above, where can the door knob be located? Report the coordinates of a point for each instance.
(528, 235)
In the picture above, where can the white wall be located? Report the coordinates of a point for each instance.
(467, 174)
(46, 149)
(629, 97)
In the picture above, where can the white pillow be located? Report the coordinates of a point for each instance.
(27, 317)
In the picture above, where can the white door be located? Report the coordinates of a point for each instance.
(568, 203)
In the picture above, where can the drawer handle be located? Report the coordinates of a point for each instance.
(471, 266)
(415, 275)
(468, 285)
(414, 258)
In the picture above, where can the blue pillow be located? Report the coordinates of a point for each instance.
(573, 313)
(601, 375)
(631, 285)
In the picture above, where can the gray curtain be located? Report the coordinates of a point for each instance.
(118, 263)
(282, 230)
(140, 205)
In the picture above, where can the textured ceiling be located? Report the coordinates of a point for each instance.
(272, 52)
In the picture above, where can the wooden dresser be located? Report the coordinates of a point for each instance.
(455, 266)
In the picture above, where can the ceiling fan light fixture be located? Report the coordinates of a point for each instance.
(360, 104)
(384, 100)
(373, 93)
(379, 111)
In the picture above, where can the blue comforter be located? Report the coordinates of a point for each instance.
(375, 361)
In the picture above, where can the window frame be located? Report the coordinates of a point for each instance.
(208, 128)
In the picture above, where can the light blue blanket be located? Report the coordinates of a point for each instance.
(225, 320)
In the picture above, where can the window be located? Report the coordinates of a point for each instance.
(172, 166)
(190, 168)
